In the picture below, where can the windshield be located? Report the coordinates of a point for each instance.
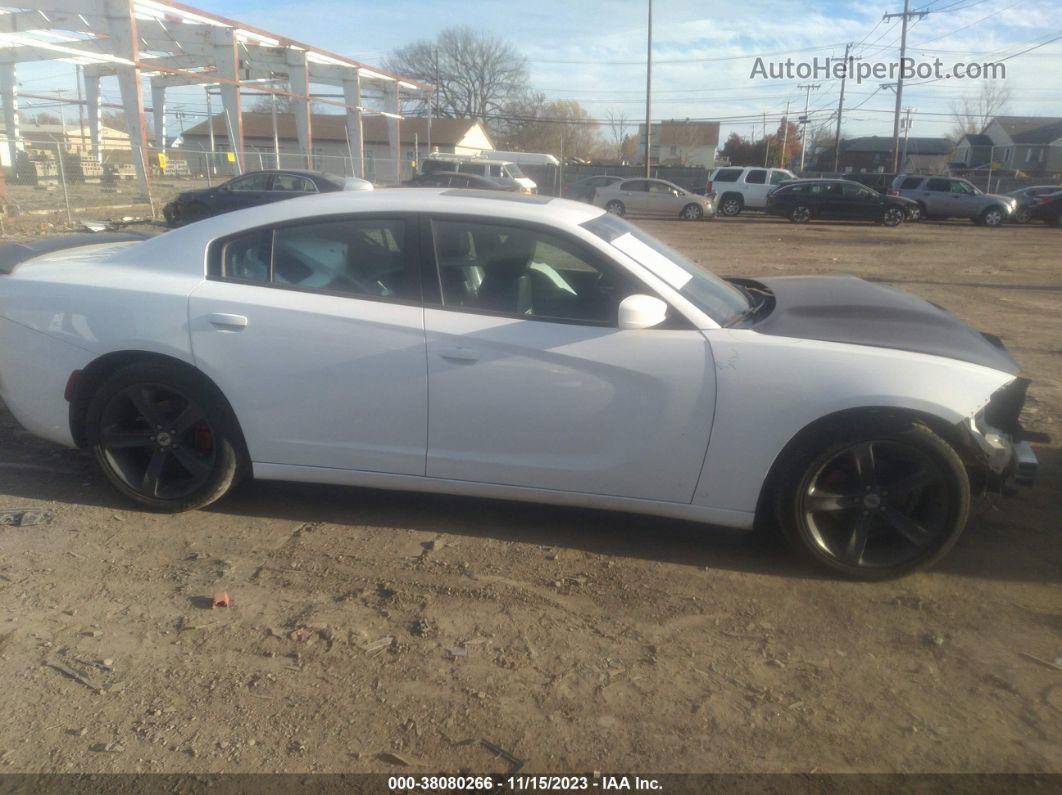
(718, 299)
(514, 170)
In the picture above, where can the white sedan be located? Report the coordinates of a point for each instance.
(524, 348)
(643, 196)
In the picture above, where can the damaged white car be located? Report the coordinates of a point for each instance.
(523, 348)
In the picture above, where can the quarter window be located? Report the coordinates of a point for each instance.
(526, 272)
(728, 175)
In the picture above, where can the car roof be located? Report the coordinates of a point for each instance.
(181, 250)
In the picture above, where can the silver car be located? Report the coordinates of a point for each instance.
(656, 197)
(948, 197)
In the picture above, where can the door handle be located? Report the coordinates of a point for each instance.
(459, 354)
(224, 320)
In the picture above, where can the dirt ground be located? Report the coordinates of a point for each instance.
(374, 631)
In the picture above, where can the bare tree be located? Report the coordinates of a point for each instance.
(973, 113)
(617, 126)
(475, 74)
(532, 123)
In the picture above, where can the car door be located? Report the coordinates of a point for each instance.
(314, 331)
(860, 202)
(966, 202)
(756, 188)
(936, 195)
(634, 193)
(660, 198)
(250, 190)
(532, 384)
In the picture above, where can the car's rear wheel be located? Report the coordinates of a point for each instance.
(616, 207)
(1021, 215)
(918, 212)
(993, 216)
(163, 437)
(873, 502)
(692, 212)
(800, 214)
(893, 216)
(172, 214)
(731, 204)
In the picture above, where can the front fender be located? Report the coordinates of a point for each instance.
(770, 388)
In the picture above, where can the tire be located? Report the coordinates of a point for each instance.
(1055, 221)
(800, 214)
(1021, 216)
(731, 204)
(893, 216)
(190, 464)
(616, 208)
(991, 217)
(918, 213)
(692, 212)
(864, 531)
(172, 214)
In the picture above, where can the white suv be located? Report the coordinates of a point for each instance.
(745, 188)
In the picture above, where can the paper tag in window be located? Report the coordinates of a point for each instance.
(656, 262)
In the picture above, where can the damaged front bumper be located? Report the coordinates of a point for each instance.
(1001, 444)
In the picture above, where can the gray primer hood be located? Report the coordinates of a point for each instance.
(848, 309)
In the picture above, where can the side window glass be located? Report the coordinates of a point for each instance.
(293, 183)
(942, 185)
(246, 258)
(251, 182)
(911, 183)
(728, 175)
(527, 272)
(778, 177)
(756, 176)
(359, 257)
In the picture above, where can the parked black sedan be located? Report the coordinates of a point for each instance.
(452, 179)
(1048, 209)
(1028, 198)
(252, 189)
(835, 199)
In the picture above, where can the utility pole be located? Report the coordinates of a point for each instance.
(840, 110)
(649, 94)
(906, 15)
(276, 135)
(804, 121)
(906, 133)
(785, 134)
(80, 106)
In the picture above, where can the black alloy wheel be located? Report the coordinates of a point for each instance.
(163, 437)
(877, 505)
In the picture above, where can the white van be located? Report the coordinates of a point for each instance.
(481, 166)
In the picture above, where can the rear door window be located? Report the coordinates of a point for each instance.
(293, 183)
(941, 185)
(756, 176)
(911, 183)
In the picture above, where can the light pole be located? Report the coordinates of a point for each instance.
(649, 92)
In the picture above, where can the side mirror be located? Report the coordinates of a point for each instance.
(641, 311)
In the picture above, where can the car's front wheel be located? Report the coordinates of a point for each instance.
(616, 207)
(893, 216)
(873, 501)
(993, 216)
(692, 212)
(164, 437)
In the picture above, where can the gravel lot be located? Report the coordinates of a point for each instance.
(375, 631)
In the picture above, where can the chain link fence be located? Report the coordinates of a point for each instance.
(52, 188)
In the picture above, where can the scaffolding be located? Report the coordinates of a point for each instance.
(167, 45)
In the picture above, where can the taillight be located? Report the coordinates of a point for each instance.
(892, 193)
(1048, 199)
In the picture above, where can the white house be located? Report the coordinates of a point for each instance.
(681, 143)
(1032, 144)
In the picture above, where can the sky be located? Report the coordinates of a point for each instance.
(704, 52)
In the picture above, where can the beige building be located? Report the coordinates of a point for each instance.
(681, 143)
(331, 151)
(39, 141)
